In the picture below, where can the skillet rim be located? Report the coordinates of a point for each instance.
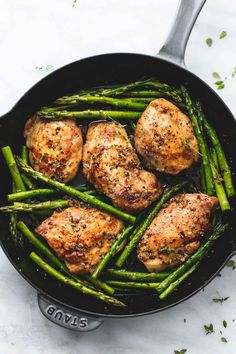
(47, 77)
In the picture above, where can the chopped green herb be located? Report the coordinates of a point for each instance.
(216, 75)
(220, 84)
(182, 351)
(43, 68)
(233, 72)
(220, 299)
(186, 145)
(74, 3)
(223, 34)
(209, 42)
(209, 329)
(224, 323)
(166, 249)
(231, 264)
(224, 340)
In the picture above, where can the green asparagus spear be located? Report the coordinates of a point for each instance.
(224, 166)
(25, 207)
(74, 192)
(220, 192)
(197, 256)
(202, 178)
(168, 193)
(24, 156)
(132, 285)
(12, 225)
(78, 286)
(117, 91)
(150, 83)
(27, 181)
(114, 248)
(101, 114)
(15, 197)
(145, 94)
(176, 283)
(100, 284)
(201, 142)
(11, 163)
(136, 276)
(116, 102)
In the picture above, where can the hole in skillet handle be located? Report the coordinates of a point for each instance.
(66, 317)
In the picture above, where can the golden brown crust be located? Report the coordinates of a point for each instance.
(112, 165)
(55, 147)
(175, 232)
(165, 138)
(81, 236)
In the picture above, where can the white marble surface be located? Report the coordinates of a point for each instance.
(41, 32)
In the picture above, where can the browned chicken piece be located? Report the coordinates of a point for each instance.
(111, 164)
(164, 138)
(176, 231)
(55, 147)
(81, 236)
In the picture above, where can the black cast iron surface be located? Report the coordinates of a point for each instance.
(112, 69)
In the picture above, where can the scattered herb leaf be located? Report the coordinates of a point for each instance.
(43, 68)
(231, 264)
(187, 145)
(216, 75)
(223, 34)
(224, 323)
(220, 84)
(224, 340)
(209, 42)
(74, 3)
(182, 351)
(220, 299)
(209, 329)
(233, 72)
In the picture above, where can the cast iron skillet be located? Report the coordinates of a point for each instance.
(62, 304)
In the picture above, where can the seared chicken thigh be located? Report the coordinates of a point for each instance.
(175, 232)
(81, 236)
(112, 165)
(55, 147)
(164, 138)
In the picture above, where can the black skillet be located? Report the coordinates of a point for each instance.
(62, 304)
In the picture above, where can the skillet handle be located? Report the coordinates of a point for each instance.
(174, 48)
(67, 318)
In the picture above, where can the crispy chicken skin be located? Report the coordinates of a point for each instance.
(164, 138)
(175, 232)
(55, 147)
(81, 236)
(111, 164)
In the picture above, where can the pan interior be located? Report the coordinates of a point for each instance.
(103, 70)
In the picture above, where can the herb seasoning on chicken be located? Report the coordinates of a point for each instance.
(55, 147)
(112, 165)
(81, 236)
(176, 231)
(165, 138)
